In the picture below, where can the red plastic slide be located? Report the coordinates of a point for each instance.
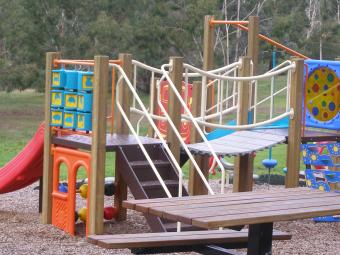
(26, 167)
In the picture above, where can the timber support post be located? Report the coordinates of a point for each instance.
(196, 185)
(46, 216)
(98, 148)
(174, 106)
(123, 129)
(243, 169)
(253, 41)
(208, 56)
(294, 130)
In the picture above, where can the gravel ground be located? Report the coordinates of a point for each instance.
(22, 233)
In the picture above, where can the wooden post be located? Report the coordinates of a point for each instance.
(253, 50)
(243, 170)
(253, 41)
(125, 94)
(208, 53)
(253, 53)
(98, 148)
(174, 105)
(208, 43)
(153, 104)
(46, 216)
(196, 185)
(122, 128)
(294, 130)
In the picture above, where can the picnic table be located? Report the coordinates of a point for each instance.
(258, 209)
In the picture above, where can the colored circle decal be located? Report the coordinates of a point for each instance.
(323, 100)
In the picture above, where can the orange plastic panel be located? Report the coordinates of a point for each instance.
(164, 97)
(64, 204)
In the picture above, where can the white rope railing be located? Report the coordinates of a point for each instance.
(214, 115)
(153, 116)
(247, 126)
(222, 101)
(247, 78)
(267, 98)
(194, 122)
(219, 89)
(218, 70)
(139, 101)
(146, 67)
(219, 79)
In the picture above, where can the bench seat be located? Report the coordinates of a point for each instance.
(168, 239)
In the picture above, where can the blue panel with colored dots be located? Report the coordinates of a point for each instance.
(322, 94)
(324, 180)
(320, 154)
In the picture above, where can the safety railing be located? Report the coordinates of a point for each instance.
(193, 121)
(131, 87)
(216, 78)
(285, 67)
(148, 113)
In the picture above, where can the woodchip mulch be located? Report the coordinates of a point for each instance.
(22, 233)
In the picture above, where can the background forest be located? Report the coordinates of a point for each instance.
(153, 30)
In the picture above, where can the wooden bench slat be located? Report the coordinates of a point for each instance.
(257, 204)
(232, 199)
(133, 204)
(267, 216)
(230, 204)
(254, 209)
(147, 240)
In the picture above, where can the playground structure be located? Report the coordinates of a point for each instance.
(75, 109)
(135, 153)
(161, 160)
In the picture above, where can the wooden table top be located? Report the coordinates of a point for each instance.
(233, 209)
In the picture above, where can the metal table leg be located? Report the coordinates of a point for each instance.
(260, 238)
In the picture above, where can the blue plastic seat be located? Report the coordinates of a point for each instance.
(269, 163)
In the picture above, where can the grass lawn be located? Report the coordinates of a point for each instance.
(22, 112)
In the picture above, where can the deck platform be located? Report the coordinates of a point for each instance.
(238, 143)
(112, 141)
(308, 136)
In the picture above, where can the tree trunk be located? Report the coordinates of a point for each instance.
(320, 49)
